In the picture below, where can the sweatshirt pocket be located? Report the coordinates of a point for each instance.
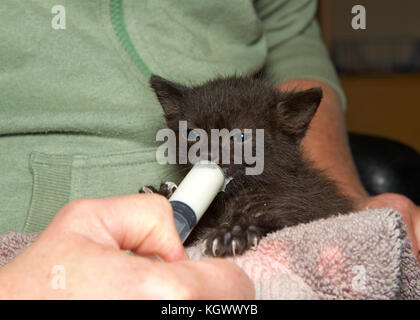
(58, 179)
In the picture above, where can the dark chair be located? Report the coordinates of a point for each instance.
(385, 165)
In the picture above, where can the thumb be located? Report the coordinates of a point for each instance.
(142, 223)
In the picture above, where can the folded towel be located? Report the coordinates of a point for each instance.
(364, 255)
(12, 243)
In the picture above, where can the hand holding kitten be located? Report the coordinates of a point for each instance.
(409, 211)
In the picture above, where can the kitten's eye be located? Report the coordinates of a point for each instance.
(239, 137)
(192, 135)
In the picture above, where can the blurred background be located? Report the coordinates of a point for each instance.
(379, 67)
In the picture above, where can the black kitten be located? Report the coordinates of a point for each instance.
(289, 191)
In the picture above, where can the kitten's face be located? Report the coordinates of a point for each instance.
(241, 103)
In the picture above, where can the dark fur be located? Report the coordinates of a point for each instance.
(289, 191)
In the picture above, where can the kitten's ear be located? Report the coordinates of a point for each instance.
(169, 94)
(296, 112)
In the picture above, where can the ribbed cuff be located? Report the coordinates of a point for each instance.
(51, 188)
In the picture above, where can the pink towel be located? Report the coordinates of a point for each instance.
(364, 255)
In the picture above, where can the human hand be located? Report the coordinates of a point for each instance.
(87, 237)
(410, 214)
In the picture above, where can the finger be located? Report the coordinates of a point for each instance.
(416, 229)
(410, 214)
(142, 223)
(221, 279)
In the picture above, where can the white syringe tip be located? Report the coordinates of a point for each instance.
(200, 186)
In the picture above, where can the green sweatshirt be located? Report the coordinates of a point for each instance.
(77, 118)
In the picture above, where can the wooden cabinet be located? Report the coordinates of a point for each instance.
(385, 105)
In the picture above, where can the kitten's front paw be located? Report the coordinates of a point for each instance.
(232, 240)
(166, 189)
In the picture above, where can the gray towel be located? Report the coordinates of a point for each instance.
(364, 255)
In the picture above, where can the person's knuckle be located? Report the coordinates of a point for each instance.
(78, 203)
(162, 206)
(77, 206)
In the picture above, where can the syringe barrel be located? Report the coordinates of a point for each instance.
(195, 194)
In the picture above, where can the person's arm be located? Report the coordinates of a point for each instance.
(326, 144)
(297, 59)
(85, 240)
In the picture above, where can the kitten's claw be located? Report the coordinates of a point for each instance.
(171, 185)
(234, 246)
(254, 242)
(170, 188)
(215, 246)
(146, 190)
(232, 240)
(204, 248)
(166, 189)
